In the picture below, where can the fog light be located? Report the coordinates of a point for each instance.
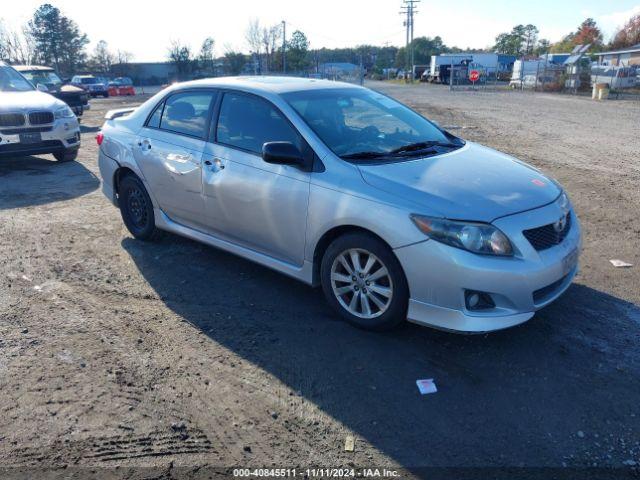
(473, 300)
(478, 300)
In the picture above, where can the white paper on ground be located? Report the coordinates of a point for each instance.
(349, 443)
(426, 386)
(620, 264)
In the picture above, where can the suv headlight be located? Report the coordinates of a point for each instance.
(475, 237)
(64, 112)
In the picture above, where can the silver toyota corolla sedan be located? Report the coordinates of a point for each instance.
(343, 187)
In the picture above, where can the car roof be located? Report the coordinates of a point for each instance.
(34, 68)
(268, 84)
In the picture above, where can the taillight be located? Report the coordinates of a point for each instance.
(99, 138)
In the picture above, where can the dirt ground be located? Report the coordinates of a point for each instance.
(125, 359)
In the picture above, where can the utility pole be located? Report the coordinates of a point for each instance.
(408, 9)
(284, 47)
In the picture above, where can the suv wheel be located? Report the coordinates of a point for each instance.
(66, 156)
(136, 208)
(364, 282)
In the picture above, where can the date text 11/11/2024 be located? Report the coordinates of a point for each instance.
(315, 473)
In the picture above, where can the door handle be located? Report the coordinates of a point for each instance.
(144, 144)
(214, 166)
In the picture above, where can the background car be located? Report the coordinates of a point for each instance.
(93, 85)
(33, 122)
(122, 86)
(46, 79)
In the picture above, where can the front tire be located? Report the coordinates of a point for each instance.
(66, 156)
(364, 282)
(136, 209)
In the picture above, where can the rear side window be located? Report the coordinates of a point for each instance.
(186, 113)
(247, 122)
(154, 120)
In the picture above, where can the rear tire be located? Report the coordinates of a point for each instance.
(136, 209)
(364, 282)
(66, 156)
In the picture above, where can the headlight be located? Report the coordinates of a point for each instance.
(64, 112)
(474, 237)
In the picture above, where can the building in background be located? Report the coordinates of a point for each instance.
(623, 57)
(338, 69)
(146, 73)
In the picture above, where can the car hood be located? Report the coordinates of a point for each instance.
(70, 89)
(471, 183)
(24, 101)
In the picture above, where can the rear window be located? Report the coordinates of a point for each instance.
(186, 113)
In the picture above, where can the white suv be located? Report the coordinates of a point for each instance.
(33, 122)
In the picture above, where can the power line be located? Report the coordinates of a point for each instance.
(284, 47)
(408, 8)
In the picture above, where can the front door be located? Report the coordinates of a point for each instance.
(248, 201)
(170, 150)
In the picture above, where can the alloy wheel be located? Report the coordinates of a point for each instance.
(361, 283)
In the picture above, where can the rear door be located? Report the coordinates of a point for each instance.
(169, 151)
(258, 205)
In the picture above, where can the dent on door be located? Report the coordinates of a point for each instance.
(173, 172)
(264, 209)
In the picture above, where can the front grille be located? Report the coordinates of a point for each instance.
(17, 131)
(40, 118)
(11, 119)
(546, 236)
(539, 296)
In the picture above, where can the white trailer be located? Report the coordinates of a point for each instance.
(492, 64)
(438, 75)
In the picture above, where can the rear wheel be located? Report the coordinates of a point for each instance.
(364, 282)
(136, 208)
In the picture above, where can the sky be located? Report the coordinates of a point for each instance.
(146, 28)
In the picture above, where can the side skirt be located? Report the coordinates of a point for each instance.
(302, 273)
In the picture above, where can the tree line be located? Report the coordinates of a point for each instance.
(523, 40)
(51, 38)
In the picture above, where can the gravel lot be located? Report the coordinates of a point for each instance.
(183, 359)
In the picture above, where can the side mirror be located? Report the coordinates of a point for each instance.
(282, 153)
(41, 87)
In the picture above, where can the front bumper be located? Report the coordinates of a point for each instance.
(61, 136)
(98, 91)
(438, 276)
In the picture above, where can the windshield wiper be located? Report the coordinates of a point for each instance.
(414, 147)
(364, 155)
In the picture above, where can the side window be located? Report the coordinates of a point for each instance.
(248, 122)
(154, 120)
(187, 113)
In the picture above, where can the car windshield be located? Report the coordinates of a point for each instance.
(362, 124)
(12, 81)
(89, 80)
(44, 77)
(123, 81)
